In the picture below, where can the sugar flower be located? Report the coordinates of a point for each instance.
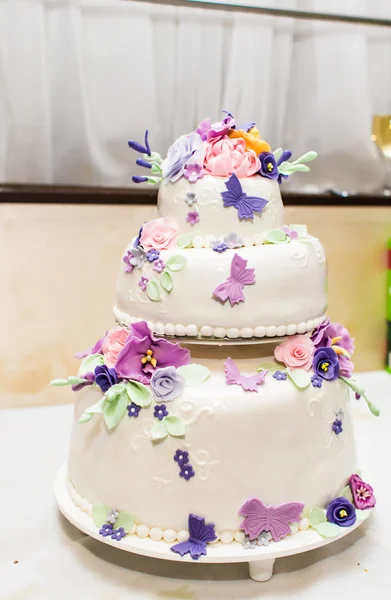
(133, 410)
(105, 377)
(159, 234)
(297, 352)
(95, 349)
(152, 255)
(160, 411)
(186, 150)
(186, 472)
(113, 344)
(325, 363)
(233, 241)
(159, 266)
(280, 375)
(225, 156)
(118, 534)
(316, 381)
(167, 383)
(193, 218)
(134, 257)
(106, 529)
(181, 457)
(362, 492)
(143, 283)
(191, 198)
(220, 247)
(341, 512)
(269, 166)
(193, 172)
(337, 426)
(209, 131)
(252, 140)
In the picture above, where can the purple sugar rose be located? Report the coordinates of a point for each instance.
(105, 377)
(269, 166)
(341, 512)
(325, 363)
(327, 333)
(186, 150)
(167, 383)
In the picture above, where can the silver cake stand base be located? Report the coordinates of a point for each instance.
(261, 559)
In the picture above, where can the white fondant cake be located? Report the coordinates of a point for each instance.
(255, 437)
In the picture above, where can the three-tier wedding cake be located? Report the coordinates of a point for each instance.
(218, 409)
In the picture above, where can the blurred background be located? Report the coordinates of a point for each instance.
(78, 78)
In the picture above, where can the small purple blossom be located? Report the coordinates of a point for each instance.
(316, 381)
(118, 534)
(152, 255)
(269, 166)
(337, 426)
(207, 130)
(193, 172)
(89, 378)
(186, 472)
(159, 265)
(325, 363)
(181, 457)
(193, 218)
(160, 411)
(133, 410)
(107, 529)
(220, 247)
(105, 377)
(190, 198)
(143, 283)
(128, 268)
(280, 375)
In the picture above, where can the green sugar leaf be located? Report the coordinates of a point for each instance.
(99, 514)
(158, 431)
(174, 426)
(300, 377)
(293, 168)
(328, 530)
(352, 383)
(92, 410)
(90, 363)
(115, 390)
(153, 291)
(271, 367)
(276, 236)
(138, 393)
(59, 382)
(361, 515)
(167, 281)
(114, 411)
(306, 512)
(316, 517)
(176, 262)
(307, 157)
(277, 153)
(185, 240)
(194, 374)
(347, 493)
(72, 380)
(125, 520)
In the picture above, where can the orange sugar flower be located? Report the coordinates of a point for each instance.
(252, 138)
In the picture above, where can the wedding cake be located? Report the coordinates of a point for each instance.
(218, 409)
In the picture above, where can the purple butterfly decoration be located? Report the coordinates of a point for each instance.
(248, 382)
(232, 289)
(235, 196)
(275, 519)
(200, 535)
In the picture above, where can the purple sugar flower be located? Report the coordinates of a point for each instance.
(167, 383)
(193, 172)
(328, 333)
(220, 247)
(203, 129)
(345, 366)
(341, 512)
(280, 375)
(316, 381)
(118, 534)
(143, 353)
(208, 131)
(233, 241)
(191, 198)
(133, 410)
(159, 266)
(284, 156)
(269, 166)
(107, 529)
(135, 257)
(143, 283)
(193, 218)
(160, 411)
(136, 242)
(337, 426)
(89, 380)
(325, 363)
(153, 255)
(105, 377)
(186, 150)
(319, 336)
(186, 472)
(181, 457)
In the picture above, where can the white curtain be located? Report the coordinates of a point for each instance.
(78, 78)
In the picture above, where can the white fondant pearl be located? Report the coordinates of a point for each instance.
(216, 540)
(150, 325)
(191, 330)
(271, 331)
(258, 239)
(159, 328)
(134, 529)
(248, 240)
(239, 536)
(246, 332)
(233, 333)
(301, 328)
(281, 330)
(226, 537)
(294, 528)
(142, 531)
(311, 325)
(304, 524)
(206, 331)
(291, 329)
(198, 241)
(260, 331)
(169, 329)
(180, 330)
(156, 534)
(182, 535)
(169, 536)
(220, 332)
(208, 240)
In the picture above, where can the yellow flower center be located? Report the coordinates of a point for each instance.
(343, 513)
(325, 366)
(148, 358)
(269, 167)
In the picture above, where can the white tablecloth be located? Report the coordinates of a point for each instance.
(55, 561)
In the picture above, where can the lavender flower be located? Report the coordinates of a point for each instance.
(112, 516)
(118, 534)
(316, 381)
(186, 472)
(105, 377)
(159, 265)
(190, 198)
(143, 283)
(186, 150)
(280, 375)
(233, 241)
(133, 410)
(153, 255)
(193, 172)
(249, 544)
(181, 457)
(167, 383)
(107, 529)
(160, 411)
(264, 538)
(135, 257)
(357, 396)
(337, 426)
(220, 247)
(193, 218)
(269, 166)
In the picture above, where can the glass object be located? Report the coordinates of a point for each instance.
(381, 135)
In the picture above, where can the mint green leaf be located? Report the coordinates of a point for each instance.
(114, 411)
(153, 291)
(300, 377)
(271, 367)
(115, 391)
(138, 393)
(276, 236)
(328, 530)
(99, 514)
(347, 493)
(85, 417)
(90, 363)
(294, 168)
(59, 382)
(307, 157)
(158, 431)
(185, 240)
(125, 520)
(167, 281)
(306, 512)
(176, 262)
(277, 153)
(92, 410)
(194, 374)
(361, 515)
(317, 516)
(174, 426)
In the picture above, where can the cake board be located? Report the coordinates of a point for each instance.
(260, 559)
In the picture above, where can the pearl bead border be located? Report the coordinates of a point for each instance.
(170, 535)
(231, 333)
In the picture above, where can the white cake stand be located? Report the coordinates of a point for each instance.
(261, 558)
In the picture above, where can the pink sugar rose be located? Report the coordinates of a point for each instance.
(159, 234)
(297, 352)
(226, 156)
(113, 343)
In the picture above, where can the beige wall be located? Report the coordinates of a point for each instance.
(58, 266)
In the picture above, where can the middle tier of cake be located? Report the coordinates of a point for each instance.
(287, 293)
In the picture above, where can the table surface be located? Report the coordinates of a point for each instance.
(43, 556)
